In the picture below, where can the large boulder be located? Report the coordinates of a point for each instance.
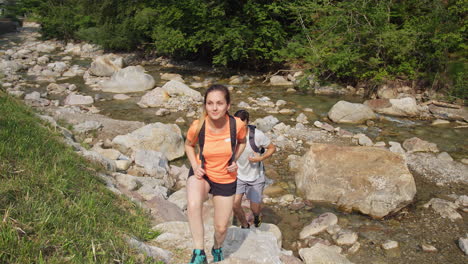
(371, 180)
(346, 112)
(436, 168)
(249, 245)
(165, 138)
(175, 88)
(129, 80)
(106, 65)
(396, 107)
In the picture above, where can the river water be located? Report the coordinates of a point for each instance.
(411, 227)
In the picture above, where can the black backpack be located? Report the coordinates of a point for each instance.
(201, 142)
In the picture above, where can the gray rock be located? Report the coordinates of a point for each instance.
(157, 136)
(345, 112)
(129, 80)
(155, 163)
(418, 145)
(87, 126)
(463, 244)
(267, 123)
(389, 244)
(76, 99)
(345, 237)
(440, 122)
(279, 81)
(151, 251)
(449, 113)
(106, 65)
(98, 158)
(179, 198)
(397, 107)
(445, 208)
(428, 248)
(175, 88)
(155, 98)
(250, 246)
(364, 140)
(171, 76)
(319, 225)
(395, 147)
(32, 96)
(436, 169)
(322, 254)
(371, 180)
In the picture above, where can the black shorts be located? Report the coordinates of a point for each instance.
(221, 189)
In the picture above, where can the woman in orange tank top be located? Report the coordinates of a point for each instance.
(215, 175)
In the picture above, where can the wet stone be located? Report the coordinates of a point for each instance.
(389, 244)
(428, 248)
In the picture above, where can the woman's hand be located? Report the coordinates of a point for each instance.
(232, 167)
(199, 172)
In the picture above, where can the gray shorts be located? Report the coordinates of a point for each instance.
(253, 190)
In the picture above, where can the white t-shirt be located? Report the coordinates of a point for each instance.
(250, 171)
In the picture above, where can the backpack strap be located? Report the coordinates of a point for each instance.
(201, 144)
(233, 133)
(254, 147)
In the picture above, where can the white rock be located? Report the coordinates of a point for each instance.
(428, 248)
(123, 165)
(318, 225)
(463, 244)
(279, 81)
(389, 244)
(128, 80)
(121, 97)
(439, 122)
(76, 99)
(322, 254)
(345, 237)
(179, 198)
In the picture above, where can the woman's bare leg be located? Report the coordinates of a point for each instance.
(222, 212)
(197, 193)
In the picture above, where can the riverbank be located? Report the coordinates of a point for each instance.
(54, 207)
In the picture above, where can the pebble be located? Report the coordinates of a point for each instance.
(389, 244)
(354, 248)
(428, 248)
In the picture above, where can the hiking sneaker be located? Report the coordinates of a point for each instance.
(198, 257)
(217, 254)
(257, 220)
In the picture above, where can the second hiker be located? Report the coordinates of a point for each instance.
(251, 173)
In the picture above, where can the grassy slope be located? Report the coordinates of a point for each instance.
(52, 208)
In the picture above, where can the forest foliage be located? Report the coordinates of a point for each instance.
(369, 41)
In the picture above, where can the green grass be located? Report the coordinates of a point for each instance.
(53, 209)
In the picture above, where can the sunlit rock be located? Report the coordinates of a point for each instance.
(128, 80)
(346, 112)
(370, 180)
